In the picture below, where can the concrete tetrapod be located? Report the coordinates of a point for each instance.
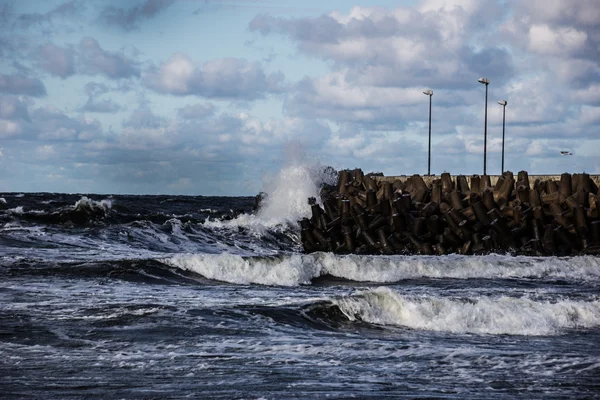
(363, 214)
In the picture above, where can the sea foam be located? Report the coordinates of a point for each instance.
(17, 210)
(300, 269)
(479, 315)
(278, 270)
(85, 202)
(286, 201)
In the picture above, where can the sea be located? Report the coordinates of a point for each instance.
(173, 297)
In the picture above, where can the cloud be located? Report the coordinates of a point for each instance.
(13, 108)
(537, 55)
(128, 19)
(20, 84)
(101, 106)
(210, 155)
(94, 104)
(87, 58)
(404, 46)
(143, 117)
(333, 97)
(56, 60)
(577, 12)
(367, 110)
(68, 9)
(10, 128)
(14, 117)
(93, 89)
(543, 39)
(224, 138)
(5, 13)
(95, 60)
(382, 108)
(561, 36)
(50, 124)
(226, 78)
(45, 152)
(197, 111)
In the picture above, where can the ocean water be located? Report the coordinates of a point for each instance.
(156, 297)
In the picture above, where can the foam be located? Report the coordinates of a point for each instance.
(85, 202)
(286, 201)
(396, 268)
(299, 269)
(287, 194)
(478, 315)
(17, 210)
(284, 271)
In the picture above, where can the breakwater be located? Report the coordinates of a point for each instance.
(369, 214)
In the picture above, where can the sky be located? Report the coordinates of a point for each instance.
(215, 97)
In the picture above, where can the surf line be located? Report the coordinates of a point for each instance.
(373, 214)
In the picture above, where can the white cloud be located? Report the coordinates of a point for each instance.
(367, 109)
(544, 39)
(9, 128)
(45, 152)
(535, 148)
(434, 45)
(176, 75)
(226, 78)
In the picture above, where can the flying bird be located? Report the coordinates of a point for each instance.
(566, 153)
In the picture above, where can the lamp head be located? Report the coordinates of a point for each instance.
(428, 92)
(485, 81)
(502, 102)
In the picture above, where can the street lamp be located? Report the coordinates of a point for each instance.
(486, 82)
(429, 93)
(503, 104)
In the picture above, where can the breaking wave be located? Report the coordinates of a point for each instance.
(285, 202)
(84, 211)
(301, 269)
(478, 315)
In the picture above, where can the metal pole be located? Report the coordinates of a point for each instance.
(503, 124)
(485, 132)
(429, 157)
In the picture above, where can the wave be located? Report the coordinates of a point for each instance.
(276, 219)
(274, 270)
(148, 271)
(84, 203)
(285, 200)
(17, 210)
(301, 269)
(84, 211)
(476, 315)
(65, 209)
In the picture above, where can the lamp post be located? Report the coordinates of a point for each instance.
(429, 93)
(503, 104)
(486, 82)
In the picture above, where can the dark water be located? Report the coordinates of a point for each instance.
(194, 297)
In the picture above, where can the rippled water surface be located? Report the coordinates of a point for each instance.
(197, 297)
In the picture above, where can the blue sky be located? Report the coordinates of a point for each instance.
(204, 97)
